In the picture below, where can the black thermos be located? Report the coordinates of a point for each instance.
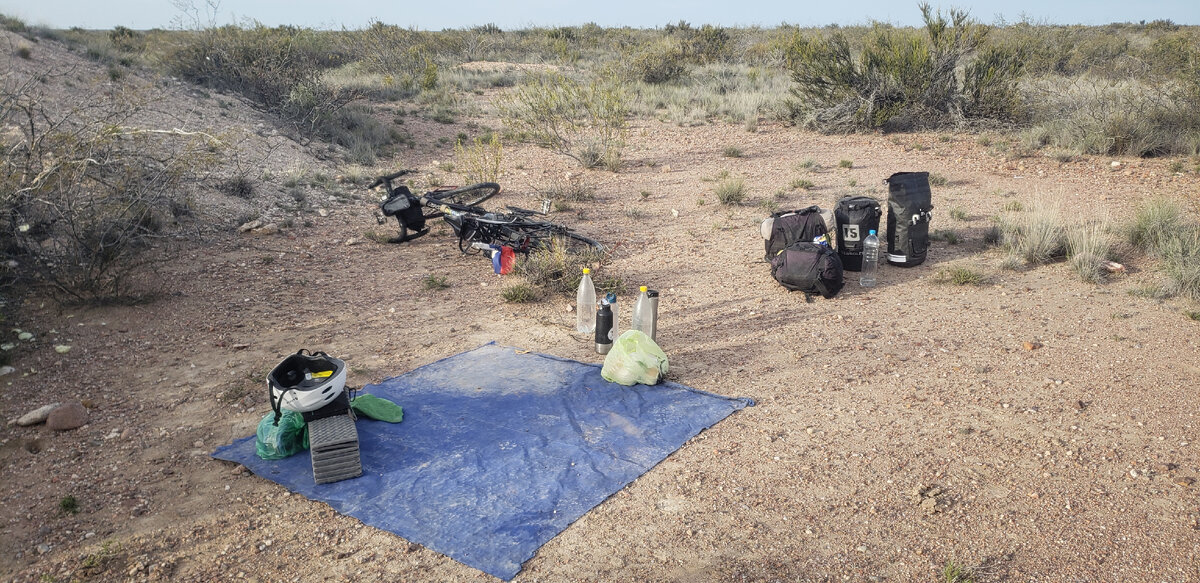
(604, 326)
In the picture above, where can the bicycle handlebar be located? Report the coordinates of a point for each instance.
(388, 178)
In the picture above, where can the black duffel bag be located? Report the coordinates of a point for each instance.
(808, 267)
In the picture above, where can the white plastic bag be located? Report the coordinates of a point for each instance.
(634, 359)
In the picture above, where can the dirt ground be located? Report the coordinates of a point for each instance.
(897, 429)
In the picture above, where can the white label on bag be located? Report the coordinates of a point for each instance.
(850, 233)
(897, 258)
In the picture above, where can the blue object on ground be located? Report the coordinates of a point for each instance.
(499, 451)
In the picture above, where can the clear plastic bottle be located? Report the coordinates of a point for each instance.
(585, 304)
(642, 313)
(612, 305)
(870, 260)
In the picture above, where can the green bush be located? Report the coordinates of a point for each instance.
(902, 79)
(731, 190)
(281, 69)
(583, 121)
(661, 62)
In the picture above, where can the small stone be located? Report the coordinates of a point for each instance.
(198, 444)
(5, 370)
(929, 505)
(67, 416)
(62, 348)
(353, 241)
(43, 548)
(1185, 481)
(1133, 473)
(36, 416)
(1115, 164)
(323, 212)
(239, 470)
(1031, 345)
(25, 336)
(1163, 468)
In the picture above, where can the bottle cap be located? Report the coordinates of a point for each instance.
(611, 297)
(871, 233)
(643, 288)
(586, 271)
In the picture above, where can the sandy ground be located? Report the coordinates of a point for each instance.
(897, 429)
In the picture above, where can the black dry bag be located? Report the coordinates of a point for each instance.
(856, 217)
(787, 227)
(910, 208)
(808, 267)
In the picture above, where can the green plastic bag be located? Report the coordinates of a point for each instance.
(634, 359)
(377, 408)
(276, 442)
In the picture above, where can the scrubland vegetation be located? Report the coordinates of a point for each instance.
(1130, 89)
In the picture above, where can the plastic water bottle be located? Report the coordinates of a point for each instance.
(612, 305)
(585, 304)
(604, 328)
(870, 260)
(641, 312)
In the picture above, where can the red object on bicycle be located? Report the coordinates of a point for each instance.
(503, 259)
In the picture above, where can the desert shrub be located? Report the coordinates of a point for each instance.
(127, 40)
(355, 128)
(583, 121)
(1088, 247)
(519, 293)
(13, 24)
(1181, 264)
(661, 62)
(87, 196)
(481, 159)
(731, 190)
(556, 271)
(1036, 235)
(959, 275)
(1162, 229)
(570, 189)
(279, 69)
(902, 79)
(1157, 222)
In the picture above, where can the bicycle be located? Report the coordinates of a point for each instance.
(477, 229)
(484, 231)
(413, 211)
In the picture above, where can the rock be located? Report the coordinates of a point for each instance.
(323, 212)
(352, 241)
(67, 416)
(250, 226)
(239, 470)
(1163, 468)
(62, 348)
(25, 336)
(36, 416)
(1185, 481)
(1031, 345)
(5, 370)
(266, 230)
(1115, 164)
(43, 548)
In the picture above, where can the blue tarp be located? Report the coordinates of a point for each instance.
(499, 451)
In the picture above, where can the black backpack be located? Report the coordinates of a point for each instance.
(792, 226)
(856, 217)
(910, 208)
(808, 267)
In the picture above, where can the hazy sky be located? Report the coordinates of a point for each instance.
(512, 14)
